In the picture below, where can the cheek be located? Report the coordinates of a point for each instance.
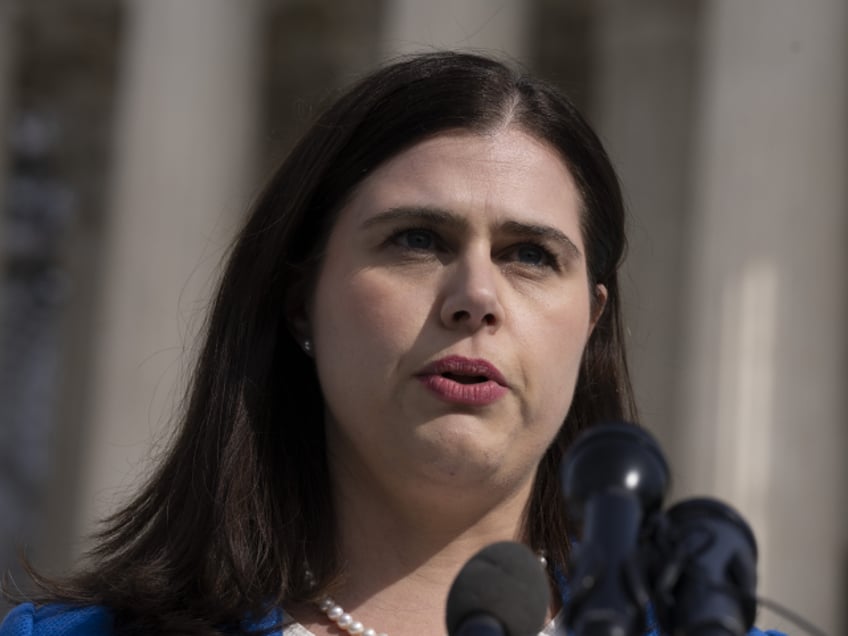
(558, 340)
(366, 318)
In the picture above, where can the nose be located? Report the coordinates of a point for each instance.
(471, 298)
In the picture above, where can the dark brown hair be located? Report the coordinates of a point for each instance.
(242, 499)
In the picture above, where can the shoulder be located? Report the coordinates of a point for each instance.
(57, 620)
(654, 631)
(652, 628)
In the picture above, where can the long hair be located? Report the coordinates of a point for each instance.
(242, 499)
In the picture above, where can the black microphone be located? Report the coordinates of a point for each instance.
(708, 577)
(501, 591)
(614, 478)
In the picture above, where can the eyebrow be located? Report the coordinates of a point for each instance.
(545, 232)
(446, 218)
(437, 216)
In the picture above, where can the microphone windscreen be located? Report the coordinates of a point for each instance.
(504, 580)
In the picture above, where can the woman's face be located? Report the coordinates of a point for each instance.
(451, 312)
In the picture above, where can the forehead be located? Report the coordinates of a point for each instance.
(506, 175)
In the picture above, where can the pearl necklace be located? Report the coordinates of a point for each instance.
(336, 613)
(345, 621)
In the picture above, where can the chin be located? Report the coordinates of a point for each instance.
(461, 460)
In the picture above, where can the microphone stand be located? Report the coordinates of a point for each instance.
(697, 561)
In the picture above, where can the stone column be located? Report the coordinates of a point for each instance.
(481, 25)
(642, 102)
(11, 514)
(185, 142)
(762, 423)
(8, 18)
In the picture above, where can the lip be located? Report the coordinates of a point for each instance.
(482, 393)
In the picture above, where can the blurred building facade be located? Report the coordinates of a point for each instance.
(136, 134)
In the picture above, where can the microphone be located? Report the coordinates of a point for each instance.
(501, 591)
(614, 478)
(707, 586)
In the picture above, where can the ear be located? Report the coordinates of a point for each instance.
(297, 313)
(598, 303)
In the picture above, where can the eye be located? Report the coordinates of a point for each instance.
(532, 255)
(415, 239)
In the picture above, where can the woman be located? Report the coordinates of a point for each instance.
(420, 314)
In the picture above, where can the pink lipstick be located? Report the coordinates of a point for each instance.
(459, 380)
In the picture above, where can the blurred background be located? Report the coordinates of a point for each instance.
(133, 136)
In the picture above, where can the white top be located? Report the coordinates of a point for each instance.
(555, 628)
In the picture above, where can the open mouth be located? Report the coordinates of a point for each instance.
(462, 371)
(465, 379)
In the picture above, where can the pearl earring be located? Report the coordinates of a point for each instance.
(307, 346)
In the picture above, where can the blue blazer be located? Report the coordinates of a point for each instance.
(63, 620)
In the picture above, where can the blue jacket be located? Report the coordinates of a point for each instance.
(58, 620)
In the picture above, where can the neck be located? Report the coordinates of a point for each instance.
(400, 557)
